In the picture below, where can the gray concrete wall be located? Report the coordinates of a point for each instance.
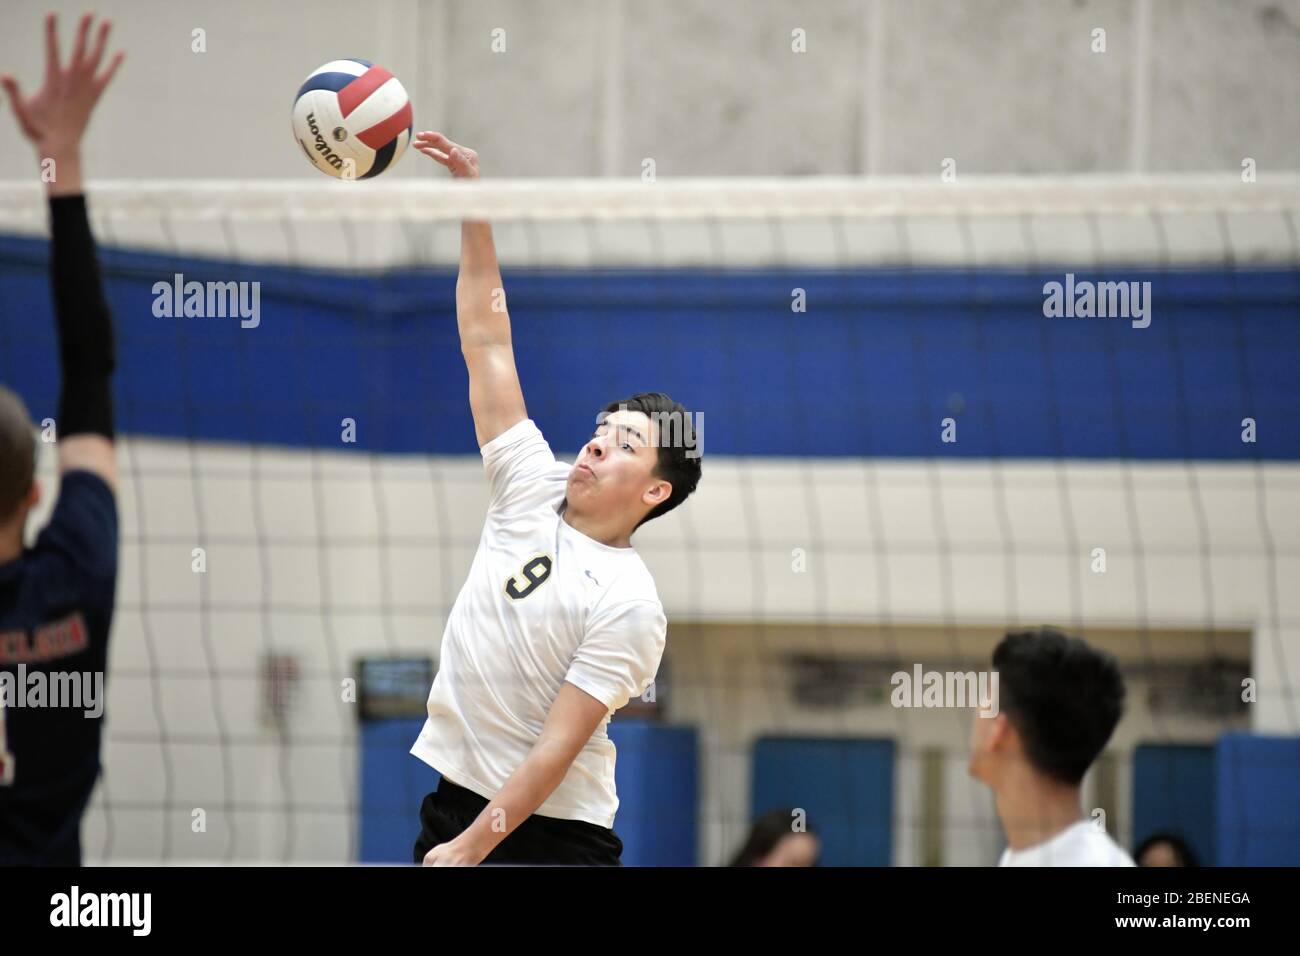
(593, 87)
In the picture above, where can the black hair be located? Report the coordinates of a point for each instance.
(680, 453)
(1062, 696)
(17, 452)
(768, 830)
(1182, 850)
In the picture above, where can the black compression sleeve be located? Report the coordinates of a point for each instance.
(84, 324)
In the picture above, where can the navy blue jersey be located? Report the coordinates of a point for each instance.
(56, 604)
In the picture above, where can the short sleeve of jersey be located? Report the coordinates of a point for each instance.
(521, 469)
(80, 540)
(619, 656)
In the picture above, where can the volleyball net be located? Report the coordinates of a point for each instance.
(932, 413)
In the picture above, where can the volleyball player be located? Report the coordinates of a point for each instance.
(559, 623)
(56, 598)
(1059, 701)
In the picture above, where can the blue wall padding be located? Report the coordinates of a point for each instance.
(658, 792)
(393, 784)
(1173, 791)
(1258, 799)
(871, 368)
(845, 785)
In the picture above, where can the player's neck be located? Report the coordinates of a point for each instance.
(610, 532)
(1034, 808)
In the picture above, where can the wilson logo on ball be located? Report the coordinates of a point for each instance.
(366, 114)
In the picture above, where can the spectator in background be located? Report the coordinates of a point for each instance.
(1165, 849)
(780, 838)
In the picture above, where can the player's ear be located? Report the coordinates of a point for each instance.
(34, 494)
(1001, 733)
(658, 493)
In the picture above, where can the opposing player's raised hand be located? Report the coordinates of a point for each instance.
(461, 160)
(55, 118)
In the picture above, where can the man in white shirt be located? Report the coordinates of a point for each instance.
(559, 623)
(1059, 702)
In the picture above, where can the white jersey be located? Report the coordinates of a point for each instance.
(543, 604)
(1081, 844)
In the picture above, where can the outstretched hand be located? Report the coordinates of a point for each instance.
(55, 118)
(461, 160)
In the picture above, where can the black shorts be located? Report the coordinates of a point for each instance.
(538, 841)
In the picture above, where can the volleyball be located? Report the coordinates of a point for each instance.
(352, 119)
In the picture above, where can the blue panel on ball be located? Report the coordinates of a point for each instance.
(366, 63)
(324, 81)
(383, 156)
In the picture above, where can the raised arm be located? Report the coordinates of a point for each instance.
(495, 397)
(54, 120)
